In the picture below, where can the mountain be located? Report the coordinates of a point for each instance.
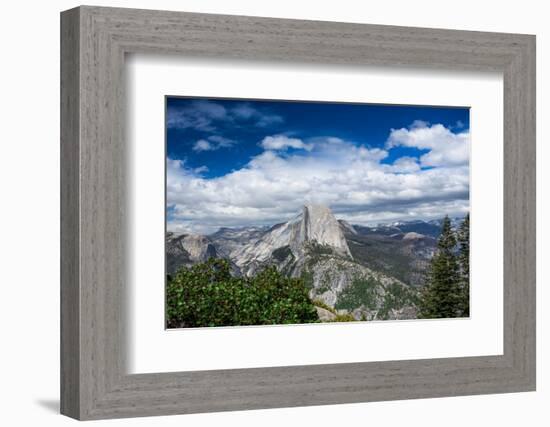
(186, 250)
(405, 256)
(315, 224)
(402, 249)
(347, 227)
(339, 262)
(229, 240)
(431, 228)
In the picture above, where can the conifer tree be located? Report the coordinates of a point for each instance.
(441, 296)
(463, 237)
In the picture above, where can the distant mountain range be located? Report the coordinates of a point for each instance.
(370, 272)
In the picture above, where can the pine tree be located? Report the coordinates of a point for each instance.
(441, 296)
(463, 237)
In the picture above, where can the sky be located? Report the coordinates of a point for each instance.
(240, 163)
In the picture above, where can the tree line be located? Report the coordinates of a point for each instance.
(447, 291)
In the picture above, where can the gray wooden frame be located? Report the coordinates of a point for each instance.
(94, 382)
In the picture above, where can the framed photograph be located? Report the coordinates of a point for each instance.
(288, 212)
(262, 213)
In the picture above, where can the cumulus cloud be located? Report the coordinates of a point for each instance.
(445, 147)
(208, 116)
(356, 181)
(419, 124)
(282, 142)
(404, 164)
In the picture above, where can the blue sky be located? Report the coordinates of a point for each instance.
(244, 162)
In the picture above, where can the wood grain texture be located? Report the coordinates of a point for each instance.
(70, 259)
(94, 232)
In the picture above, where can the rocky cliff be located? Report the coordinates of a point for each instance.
(315, 224)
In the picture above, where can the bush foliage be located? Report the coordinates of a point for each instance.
(207, 294)
(361, 292)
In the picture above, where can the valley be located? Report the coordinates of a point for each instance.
(365, 273)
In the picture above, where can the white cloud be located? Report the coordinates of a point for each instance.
(446, 148)
(221, 141)
(350, 178)
(199, 115)
(244, 111)
(213, 142)
(419, 124)
(202, 145)
(207, 116)
(405, 164)
(282, 142)
(247, 112)
(201, 169)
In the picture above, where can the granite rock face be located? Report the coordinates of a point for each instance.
(314, 225)
(186, 250)
(324, 314)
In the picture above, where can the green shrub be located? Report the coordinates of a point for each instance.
(208, 295)
(361, 292)
(307, 278)
(322, 304)
(344, 318)
(397, 297)
(282, 253)
(313, 248)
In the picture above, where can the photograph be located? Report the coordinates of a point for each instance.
(282, 212)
